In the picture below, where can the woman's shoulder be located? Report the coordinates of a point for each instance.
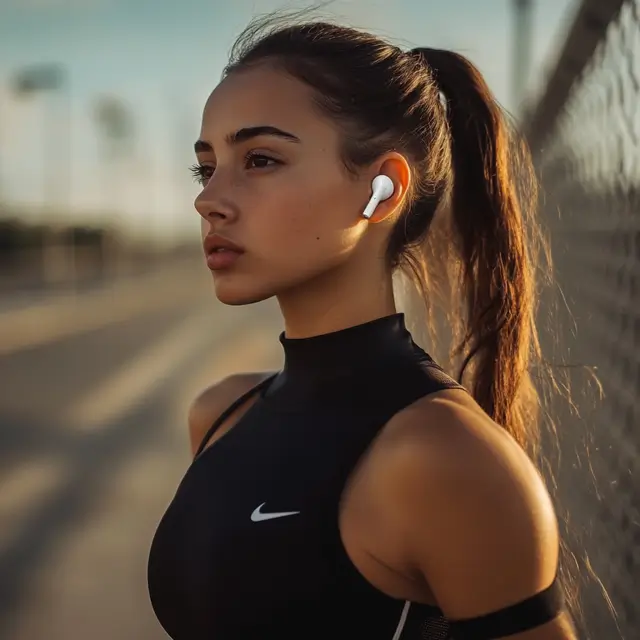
(453, 445)
(212, 401)
(458, 480)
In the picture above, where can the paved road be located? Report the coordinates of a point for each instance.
(93, 442)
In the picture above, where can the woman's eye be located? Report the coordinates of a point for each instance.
(259, 161)
(201, 173)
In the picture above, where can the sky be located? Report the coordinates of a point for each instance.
(162, 58)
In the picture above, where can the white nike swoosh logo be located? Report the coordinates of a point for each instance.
(258, 516)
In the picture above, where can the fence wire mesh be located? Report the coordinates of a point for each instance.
(589, 164)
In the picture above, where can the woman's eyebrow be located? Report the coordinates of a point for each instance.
(247, 133)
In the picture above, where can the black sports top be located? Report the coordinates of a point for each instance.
(250, 548)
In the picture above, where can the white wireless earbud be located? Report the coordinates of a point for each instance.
(382, 187)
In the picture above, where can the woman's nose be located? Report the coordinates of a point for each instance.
(211, 205)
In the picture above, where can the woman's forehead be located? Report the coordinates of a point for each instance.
(261, 96)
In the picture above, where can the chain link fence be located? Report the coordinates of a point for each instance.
(585, 135)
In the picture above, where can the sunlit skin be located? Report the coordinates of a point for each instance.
(453, 514)
(293, 207)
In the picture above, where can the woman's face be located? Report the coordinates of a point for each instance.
(281, 194)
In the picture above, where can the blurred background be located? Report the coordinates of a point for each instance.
(109, 326)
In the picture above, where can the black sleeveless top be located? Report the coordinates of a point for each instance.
(250, 548)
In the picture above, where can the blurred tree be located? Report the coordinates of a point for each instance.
(116, 131)
(115, 123)
(115, 127)
(87, 237)
(16, 236)
(10, 239)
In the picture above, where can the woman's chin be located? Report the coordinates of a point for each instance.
(233, 294)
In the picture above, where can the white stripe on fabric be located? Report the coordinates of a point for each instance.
(402, 621)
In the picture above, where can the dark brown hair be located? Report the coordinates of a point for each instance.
(469, 230)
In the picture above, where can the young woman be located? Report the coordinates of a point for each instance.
(360, 492)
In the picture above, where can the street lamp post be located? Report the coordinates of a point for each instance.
(51, 80)
(522, 13)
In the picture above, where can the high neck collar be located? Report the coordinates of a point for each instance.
(363, 347)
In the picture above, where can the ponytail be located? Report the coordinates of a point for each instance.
(496, 272)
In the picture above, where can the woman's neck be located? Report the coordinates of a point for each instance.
(334, 301)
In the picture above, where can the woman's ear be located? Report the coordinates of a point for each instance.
(394, 165)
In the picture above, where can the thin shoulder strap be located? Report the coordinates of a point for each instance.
(230, 409)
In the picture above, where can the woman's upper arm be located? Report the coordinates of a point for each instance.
(479, 523)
